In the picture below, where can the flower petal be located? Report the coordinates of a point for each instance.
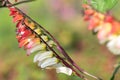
(39, 47)
(13, 11)
(114, 45)
(17, 17)
(49, 62)
(24, 42)
(26, 33)
(42, 56)
(64, 70)
(32, 43)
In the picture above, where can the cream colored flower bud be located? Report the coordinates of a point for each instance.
(64, 70)
(44, 37)
(40, 56)
(60, 68)
(39, 47)
(49, 62)
(51, 43)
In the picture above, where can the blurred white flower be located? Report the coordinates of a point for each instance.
(64, 70)
(60, 68)
(114, 45)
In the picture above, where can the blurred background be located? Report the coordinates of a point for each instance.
(63, 19)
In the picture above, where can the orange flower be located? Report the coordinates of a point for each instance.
(29, 23)
(104, 32)
(25, 40)
(17, 16)
(32, 43)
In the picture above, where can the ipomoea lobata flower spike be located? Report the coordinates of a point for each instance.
(106, 27)
(34, 38)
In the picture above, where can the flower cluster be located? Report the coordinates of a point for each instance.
(34, 40)
(106, 27)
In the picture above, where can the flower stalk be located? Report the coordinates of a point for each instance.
(21, 17)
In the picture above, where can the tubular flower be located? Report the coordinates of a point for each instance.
(114, 45)
(47, 60)
(34, 40)
(106, 27)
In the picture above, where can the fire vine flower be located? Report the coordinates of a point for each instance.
(33, 44)
(106, 27)
(35, 39)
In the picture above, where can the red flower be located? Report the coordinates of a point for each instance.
(25, 40)
(13, 11)
(17, 16)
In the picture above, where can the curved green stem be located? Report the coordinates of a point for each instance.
(115, 71)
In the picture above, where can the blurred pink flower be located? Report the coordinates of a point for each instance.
(104, 32)
(64, 10)
(107, 28)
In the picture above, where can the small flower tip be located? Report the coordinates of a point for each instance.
(64, 70)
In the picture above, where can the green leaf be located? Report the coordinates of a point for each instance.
(102, 5)
(111, 3)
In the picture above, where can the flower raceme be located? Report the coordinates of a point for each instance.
(27, 34)
(106, 27)
(35, 39)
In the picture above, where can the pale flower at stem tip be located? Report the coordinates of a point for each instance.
(47, 61)
(114, 45)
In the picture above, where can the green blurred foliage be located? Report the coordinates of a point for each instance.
(102, 5)
(70, 30)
